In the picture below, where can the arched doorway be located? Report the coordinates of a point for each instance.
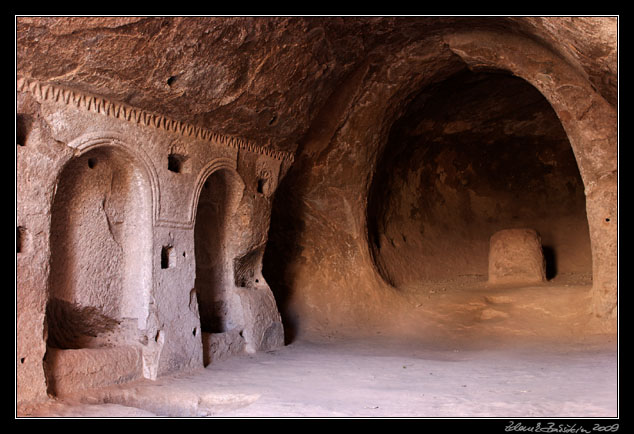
(101, 275)
(219, 306)
(475, 154)
(590, 122)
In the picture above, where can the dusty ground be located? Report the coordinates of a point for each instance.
(488, 369)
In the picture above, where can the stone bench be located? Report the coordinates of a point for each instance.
(516, 256)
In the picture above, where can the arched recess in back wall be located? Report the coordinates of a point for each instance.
(590, 124)
(101, 244)
(473, 154)
(589, 121)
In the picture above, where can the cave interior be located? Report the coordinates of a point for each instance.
(202, 200)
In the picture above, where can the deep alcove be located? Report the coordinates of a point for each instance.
(101, 247)
(475, 154)
(221, 316)
(212, 272)
(101, 274)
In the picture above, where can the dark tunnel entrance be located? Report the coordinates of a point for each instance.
(475, 154)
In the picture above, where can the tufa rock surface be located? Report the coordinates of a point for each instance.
(264, 78)
(191, 188)
(515, 256)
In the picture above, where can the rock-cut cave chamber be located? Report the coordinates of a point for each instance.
(238, 195)
(482, 153)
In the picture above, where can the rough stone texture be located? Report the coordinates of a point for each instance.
(117, 229)
(219, 346)
(100, 239)
(590, 123)
(264, 78)
(475, 154)
(74, 370)
(323, 207)
(305, 114)
(515, 256)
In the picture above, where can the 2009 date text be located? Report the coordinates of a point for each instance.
(552, 427)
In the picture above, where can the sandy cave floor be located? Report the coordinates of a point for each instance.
(487, 371)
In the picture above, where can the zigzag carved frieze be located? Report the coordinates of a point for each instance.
(96, 104)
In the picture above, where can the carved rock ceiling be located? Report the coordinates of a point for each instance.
(263, 78)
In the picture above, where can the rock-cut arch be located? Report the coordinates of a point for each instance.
(591, 125)
(217, 197)
(101, 246)
(474, 154)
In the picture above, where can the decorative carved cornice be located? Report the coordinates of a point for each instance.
(103, 106)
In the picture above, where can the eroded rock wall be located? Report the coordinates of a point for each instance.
(328, 281)
(107, 227)
(173, 94)
(478, 153)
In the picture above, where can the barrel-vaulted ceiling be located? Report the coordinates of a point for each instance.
(264, 78)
